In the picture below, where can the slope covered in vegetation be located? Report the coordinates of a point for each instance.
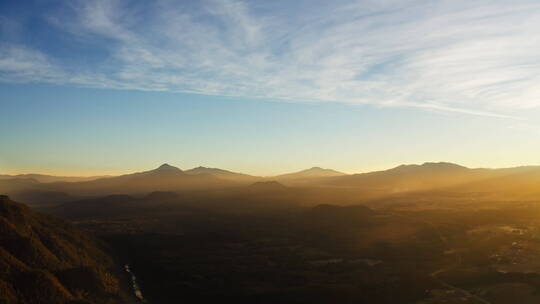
(46, 260)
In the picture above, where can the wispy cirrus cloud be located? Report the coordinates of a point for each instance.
(474, 57)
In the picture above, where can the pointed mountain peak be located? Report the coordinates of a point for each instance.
(167, 168)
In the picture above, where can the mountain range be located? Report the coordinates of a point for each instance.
(315, 172)
(518, 181)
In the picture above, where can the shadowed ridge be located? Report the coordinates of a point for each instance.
(268, 186)
(48, 259)
(161, 195)
(14, 214)
(97, 206)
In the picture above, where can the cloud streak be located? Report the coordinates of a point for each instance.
(471, 57)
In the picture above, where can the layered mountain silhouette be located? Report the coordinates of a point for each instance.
(410, 177)
(434, 176)
(163, 178)
(402, 179)
(46, 260)
(515, 182)
(520, 182)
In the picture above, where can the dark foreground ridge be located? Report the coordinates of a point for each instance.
(46, 260)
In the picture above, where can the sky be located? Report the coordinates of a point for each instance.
(266, 87)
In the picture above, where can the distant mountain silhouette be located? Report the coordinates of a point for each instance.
(431, 166)
(520, 182)
(443, 176)
(42, 178)
(405, 178)
(163, 178)
(33, 192)
(223, 174)
(308, 173)
(18, 184)
(267, 186)
(410, 178)
(307, 176)
(165, 169)
(46, 260)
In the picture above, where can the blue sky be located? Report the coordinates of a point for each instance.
(266, 87)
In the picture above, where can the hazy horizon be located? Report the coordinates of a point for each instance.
(135, 170)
